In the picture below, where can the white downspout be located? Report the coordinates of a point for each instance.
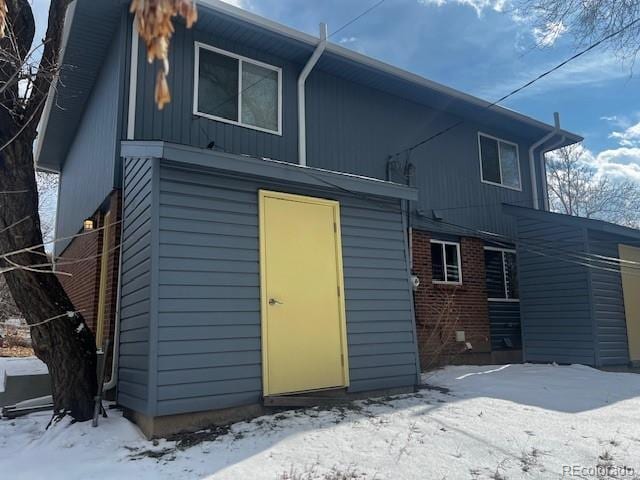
(532, 163)
(543, 170)
(302, 79)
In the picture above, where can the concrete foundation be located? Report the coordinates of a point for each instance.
(160, 427)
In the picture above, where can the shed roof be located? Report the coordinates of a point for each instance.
(91, 24)
(570, 220)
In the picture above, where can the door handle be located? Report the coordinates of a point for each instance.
(273, 301)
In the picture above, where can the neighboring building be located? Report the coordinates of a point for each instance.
(237, 220)
(580, 289)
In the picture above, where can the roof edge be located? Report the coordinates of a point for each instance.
(267, 168)
(588, 223)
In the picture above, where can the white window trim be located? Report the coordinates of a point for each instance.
(488, 182)
(444, 257)
(504, 275)
(241, 59)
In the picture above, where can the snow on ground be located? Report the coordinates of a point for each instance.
(518, 421)
(20, 366)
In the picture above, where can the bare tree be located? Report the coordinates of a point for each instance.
(60, 336)
(576, 188)
(589, 21)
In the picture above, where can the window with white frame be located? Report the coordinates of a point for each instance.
(445, 262)
(499, 162)
(502, 274)
(237, 90)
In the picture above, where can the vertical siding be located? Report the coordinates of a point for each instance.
(555, 297)
(88, 173)
(608, 302)
(176, 122)
(504, 318)
(135, 298)
(209, 352)
(351, 128)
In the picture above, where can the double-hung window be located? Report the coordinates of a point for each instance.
(502, 274)
(445, 262)
(499, 162)
(237, 90)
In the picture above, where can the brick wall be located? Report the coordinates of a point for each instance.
(82, 259)
(441, 310)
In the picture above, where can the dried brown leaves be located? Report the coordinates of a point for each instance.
(3, 17)
(154, 22)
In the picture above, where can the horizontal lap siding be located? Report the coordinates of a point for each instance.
(135, 299)
(209, 349)
(504, 318)
(554, 293)
(608, 302)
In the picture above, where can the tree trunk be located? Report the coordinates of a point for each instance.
(65, 344)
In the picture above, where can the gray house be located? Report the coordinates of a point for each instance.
(283, 226)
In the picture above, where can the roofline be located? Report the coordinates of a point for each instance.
(379, 65)
(265, 167)
(48, 105)
(582, 222)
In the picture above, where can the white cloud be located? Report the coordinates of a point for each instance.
(587, 71)
(548, 36)
(629, 137)
(478, 5)
(238, 3)
(347, 40)
(621, 163)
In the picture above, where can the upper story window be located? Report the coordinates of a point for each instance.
(502, 274)
(445, 262)
(237, 90)
(499, 162)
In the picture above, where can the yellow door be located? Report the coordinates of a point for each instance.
(303, 320)
(630, 272)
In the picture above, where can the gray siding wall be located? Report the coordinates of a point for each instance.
(351, 128)
(555, 301)
(208, 349)
(134, 374)
(608, 302)
(88, 174)
(504, 319)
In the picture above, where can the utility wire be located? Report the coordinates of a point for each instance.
(358, 17)
(526, 85)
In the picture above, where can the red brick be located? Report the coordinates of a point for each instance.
(441, 310)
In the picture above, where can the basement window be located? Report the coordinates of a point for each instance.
(499, 162)
(502, 274)
(445, 262)
(234, 89)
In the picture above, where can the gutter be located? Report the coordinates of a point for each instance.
(532, 163)
(302, 79)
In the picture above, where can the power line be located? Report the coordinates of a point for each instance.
(358, 17)
(526, 85)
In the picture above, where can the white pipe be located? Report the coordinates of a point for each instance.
(302, 79)
(532, 163)
(543, 170)
(133, 83)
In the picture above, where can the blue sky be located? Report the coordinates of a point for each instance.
(483, 48)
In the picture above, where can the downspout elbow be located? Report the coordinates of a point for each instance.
(302, 79)
(532, 163)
